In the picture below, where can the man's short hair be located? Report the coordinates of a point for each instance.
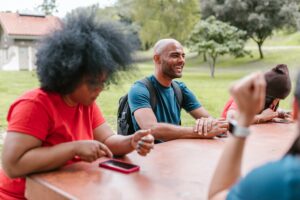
(160, 45)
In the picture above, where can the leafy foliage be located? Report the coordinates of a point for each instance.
(291, 11)
(162, 18)
(48, 7)
(257, 17)
(214, 38)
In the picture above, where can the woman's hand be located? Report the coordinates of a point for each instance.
(91, 150)
(266, 115)
(142, 141)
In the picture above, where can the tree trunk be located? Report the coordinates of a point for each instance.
(259, 44)
(204, 57)
(212, 62)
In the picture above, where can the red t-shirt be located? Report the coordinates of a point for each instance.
(229, 105)
(47, 117)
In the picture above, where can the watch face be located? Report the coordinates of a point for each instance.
(231, 127)
(232, 124)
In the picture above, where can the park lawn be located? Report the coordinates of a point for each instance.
(12, 85)
(280, 38)
(212, 92)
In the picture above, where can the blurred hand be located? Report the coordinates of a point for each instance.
(249, 94)
(91, 150)
(203, 125)
(267, 115)
(284, 114)
(288, 116)
(142, 141)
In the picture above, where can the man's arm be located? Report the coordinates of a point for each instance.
(147, 120)
(199, 113)
(139, 101)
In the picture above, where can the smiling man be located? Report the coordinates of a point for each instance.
(164, 118)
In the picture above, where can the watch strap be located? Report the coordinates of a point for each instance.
(240, 131)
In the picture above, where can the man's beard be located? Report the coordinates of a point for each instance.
(169, 71)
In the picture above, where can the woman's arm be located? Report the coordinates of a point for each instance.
(249, 95)
(264, 116)
(23, 154)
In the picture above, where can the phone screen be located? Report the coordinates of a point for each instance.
(115, 163)
(119, 166)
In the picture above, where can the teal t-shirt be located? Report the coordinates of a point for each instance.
(167, 110)
(275, 180)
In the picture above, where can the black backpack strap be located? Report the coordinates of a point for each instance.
(178, 93)
(152, 92)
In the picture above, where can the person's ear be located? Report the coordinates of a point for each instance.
(156, 59)
(295, 109)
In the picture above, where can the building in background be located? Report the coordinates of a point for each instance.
(19, 34)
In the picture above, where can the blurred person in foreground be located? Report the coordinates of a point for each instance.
(60, 123)
(275, 180)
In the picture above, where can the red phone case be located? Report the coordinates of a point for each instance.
(117, 166)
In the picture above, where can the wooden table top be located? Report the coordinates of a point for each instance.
(179, 169)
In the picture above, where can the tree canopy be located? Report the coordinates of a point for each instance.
(215, 38)
(162, 18)
(48, 7)
(257, 17)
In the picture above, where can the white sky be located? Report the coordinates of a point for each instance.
(63, 6)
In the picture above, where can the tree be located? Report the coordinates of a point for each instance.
(112, 15)
(121, 13)
(48, 7)
(214, 38)
(291, 11)
(162, 18)
(257, 17)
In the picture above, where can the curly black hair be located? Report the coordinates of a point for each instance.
(82, 46)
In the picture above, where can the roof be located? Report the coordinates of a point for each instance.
(15, 24)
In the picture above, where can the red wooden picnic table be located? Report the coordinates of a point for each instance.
(179, 169)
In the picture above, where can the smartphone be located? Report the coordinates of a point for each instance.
(279, 120)
(119, 166)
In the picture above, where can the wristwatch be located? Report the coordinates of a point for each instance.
(237, 130)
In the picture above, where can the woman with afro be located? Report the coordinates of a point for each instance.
(60, 123)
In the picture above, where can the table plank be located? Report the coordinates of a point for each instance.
(179, 169)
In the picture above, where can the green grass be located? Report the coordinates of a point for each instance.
(212, 93)
(12, 85)
(280, 39)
